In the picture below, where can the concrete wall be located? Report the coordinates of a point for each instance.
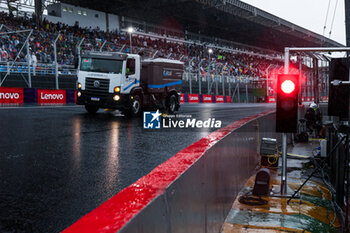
(69, 14)
(200, 199)
(192, 191)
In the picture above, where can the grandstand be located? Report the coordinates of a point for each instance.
(245, 43)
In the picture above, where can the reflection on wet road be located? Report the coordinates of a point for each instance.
(59, 163)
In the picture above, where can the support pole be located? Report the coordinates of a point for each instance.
(238, 94)
(56, 64)
(347, 22)
(216, 80)
(199, 77)
(267, 83)
(315, 83)
(29, 64)
(223, 85)
(130, 43)
(103, 45)
(200, 83)
(284, 136)
(246, 93)
(208, 79)
(38, 11)
(79, 52)
(284, 165)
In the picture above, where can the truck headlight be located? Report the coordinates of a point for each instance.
(117, 89)
(79, 85)
(116, 97)
(79, 94)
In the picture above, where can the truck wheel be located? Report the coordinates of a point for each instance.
(91, 109)
(136, 106)
(172, 104)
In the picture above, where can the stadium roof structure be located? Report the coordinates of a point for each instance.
(228, 19)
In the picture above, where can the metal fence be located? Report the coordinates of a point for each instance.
(57, 53)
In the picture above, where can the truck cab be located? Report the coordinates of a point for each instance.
(124, 82)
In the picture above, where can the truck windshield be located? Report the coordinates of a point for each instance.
(101, 65)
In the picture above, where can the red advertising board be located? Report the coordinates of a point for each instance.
(193, 98)
(10, 95)
(182, 98)
(51, 97)
(228, 99)
(207, 98)
(271, 99)
(219, 99)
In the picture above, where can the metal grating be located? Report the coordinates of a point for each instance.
(103, 87)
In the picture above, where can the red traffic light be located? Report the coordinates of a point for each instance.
(287, 103)
(288, 86)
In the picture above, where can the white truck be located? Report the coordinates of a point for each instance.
(127, 83)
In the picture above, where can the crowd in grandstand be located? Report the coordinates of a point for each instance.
(43, 36)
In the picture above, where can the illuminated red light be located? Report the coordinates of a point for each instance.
(288, 86)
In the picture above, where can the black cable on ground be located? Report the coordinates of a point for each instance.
(336, 207)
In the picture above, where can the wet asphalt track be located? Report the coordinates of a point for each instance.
(59, 163)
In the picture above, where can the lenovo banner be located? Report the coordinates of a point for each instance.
(51, 97)
(228, 99)
(271, 99)
(207, 98)
(193, 98)
(9, 95)
(182, 98)
(219, 99)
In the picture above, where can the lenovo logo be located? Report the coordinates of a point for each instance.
(9, 96)
(51, 96)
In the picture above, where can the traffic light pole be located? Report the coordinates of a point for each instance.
(284, 137)
(284, 165)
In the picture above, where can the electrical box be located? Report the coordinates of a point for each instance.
(323, 145)
(268, 146)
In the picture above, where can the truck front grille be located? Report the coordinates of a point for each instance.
(96, 85)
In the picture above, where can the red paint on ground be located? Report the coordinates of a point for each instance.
(112, 215)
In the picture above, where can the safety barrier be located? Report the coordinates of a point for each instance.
(199, 98)
(12, 95)
(19, 96)
(192, 191)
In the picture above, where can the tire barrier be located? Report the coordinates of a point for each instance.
(193, 191)
(19, 96)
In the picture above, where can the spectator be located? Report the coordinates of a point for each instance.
(313, 117)
(34, 63)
